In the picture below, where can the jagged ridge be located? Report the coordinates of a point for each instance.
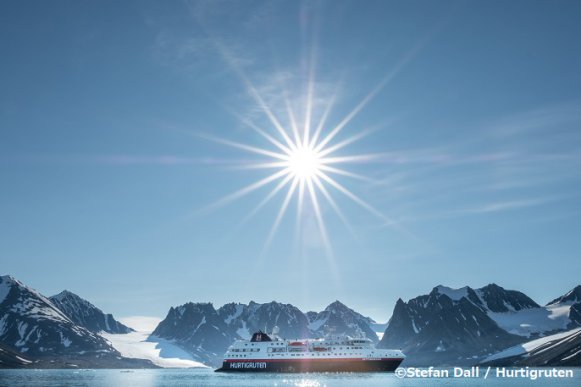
(87, 315)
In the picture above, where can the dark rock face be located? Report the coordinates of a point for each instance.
(401, 325)
(292, 323)
(311, 316)
(339, 319)
(575, 315)
(85, 314)
(449, 328)
(12, 359)
(198, 329)
(497, 299)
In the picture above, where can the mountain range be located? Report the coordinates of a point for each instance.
(35, 332)
(206, 332)
(463, 326)
(445, 327)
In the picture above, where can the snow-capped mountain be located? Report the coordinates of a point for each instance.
(87, 315)
(247, 319)
(32, 326)
(444, 327)
(462, 325)
(339, 319)
(499, 300)
(206, 332)
(197, 328)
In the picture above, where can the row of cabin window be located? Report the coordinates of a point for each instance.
(245, 350)
(323, 354)
(304, 349)
(246, 344)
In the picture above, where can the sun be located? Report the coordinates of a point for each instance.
(304, 163)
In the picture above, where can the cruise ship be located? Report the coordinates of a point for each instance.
(270, 353)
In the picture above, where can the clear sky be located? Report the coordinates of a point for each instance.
(118, 125)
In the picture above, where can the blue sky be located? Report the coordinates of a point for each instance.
(109, 163)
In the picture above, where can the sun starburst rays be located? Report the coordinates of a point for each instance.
(304, 153)
(304, 163)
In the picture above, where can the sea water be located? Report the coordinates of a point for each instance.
(207, 377)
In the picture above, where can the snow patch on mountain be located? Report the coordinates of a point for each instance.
(454, 294)
(238, 309)
(531, 321)
(243, 331)
(316, 324)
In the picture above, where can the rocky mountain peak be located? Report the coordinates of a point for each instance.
(573, 296)
(87, 315)
(497, 299)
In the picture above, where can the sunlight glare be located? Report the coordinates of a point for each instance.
(304, 163)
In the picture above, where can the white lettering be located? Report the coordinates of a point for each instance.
(241, 364)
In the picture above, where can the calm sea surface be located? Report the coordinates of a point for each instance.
(206, 377)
